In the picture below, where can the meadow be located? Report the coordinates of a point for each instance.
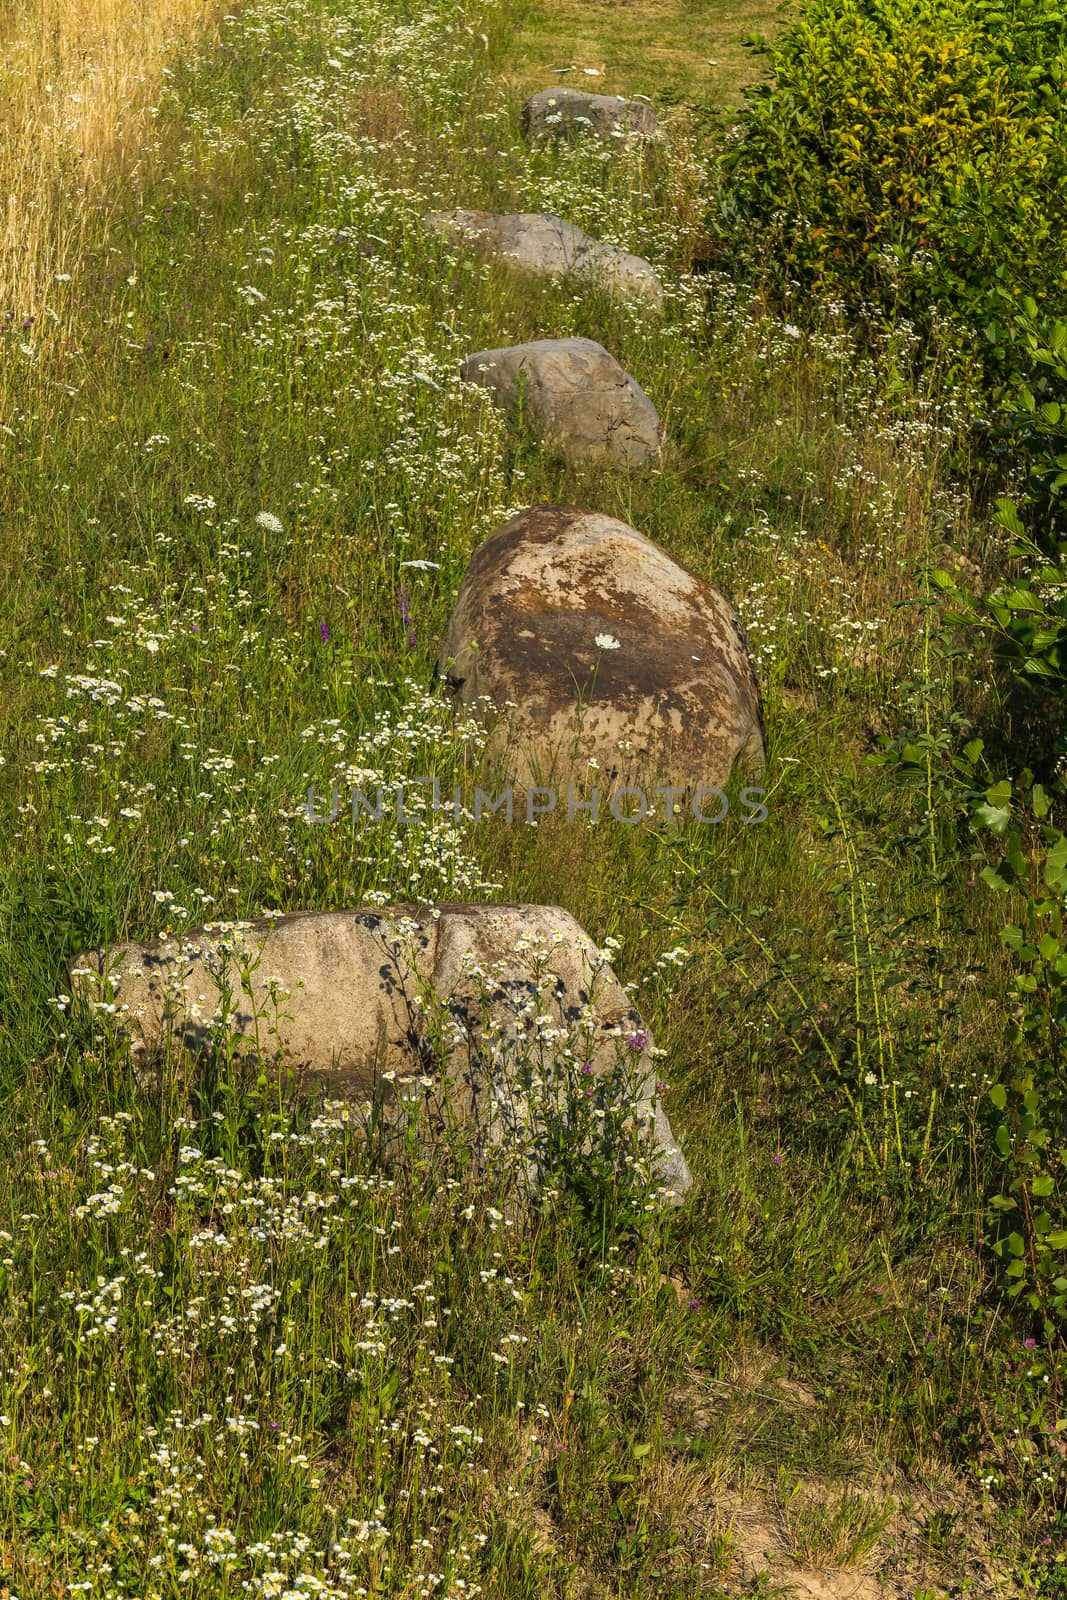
(240, 481)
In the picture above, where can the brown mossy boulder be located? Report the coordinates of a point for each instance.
(612, 659)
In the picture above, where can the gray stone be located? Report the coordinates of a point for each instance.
(552, 248)
(570, 113)
(577, 396)
(607, 651)
(353, 1001)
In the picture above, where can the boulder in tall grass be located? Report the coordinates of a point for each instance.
(552, 248)
(575, 396)
(571, 114)
(508, 1017)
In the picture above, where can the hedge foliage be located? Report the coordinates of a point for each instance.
(910, 155)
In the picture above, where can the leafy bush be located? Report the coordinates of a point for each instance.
(1033, 424)
(1025, 616)
(910, 155)
(1030, 1097)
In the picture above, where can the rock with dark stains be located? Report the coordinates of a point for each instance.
(575, 396)
(573, 114)
(497, 1014)
(615, 662)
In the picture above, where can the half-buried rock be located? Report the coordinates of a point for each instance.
(617, 663)
(569, 113)
(552, 248)
(577, 397)
(507, 1016)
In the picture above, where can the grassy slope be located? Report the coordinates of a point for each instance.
(817, 1321)
(687, 52)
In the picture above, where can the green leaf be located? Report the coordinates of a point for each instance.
(996, 819)
(1021, 599)
(1009, 518)
(999, 1096)
(1055, 869)
(1014, 858)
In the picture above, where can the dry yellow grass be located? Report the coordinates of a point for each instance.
(78, 79)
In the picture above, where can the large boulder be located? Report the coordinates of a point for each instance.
(550, 247)
(570, 113)
(504, 1015)
(577, 396)
(606, 650)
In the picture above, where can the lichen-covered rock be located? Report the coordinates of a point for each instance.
(552, 248)
(570, 113)
(494, 1009)
(576, 396)
(607, 650)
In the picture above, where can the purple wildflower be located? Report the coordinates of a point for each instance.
(324, 631)
(404, 607)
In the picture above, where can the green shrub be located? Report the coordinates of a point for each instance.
(1024, 615)
(1025, 618)
(908, 155)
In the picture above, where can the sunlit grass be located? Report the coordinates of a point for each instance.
(78, 81)
(693, 53)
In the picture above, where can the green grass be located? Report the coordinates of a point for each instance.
(698, 54)
(265, 328)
